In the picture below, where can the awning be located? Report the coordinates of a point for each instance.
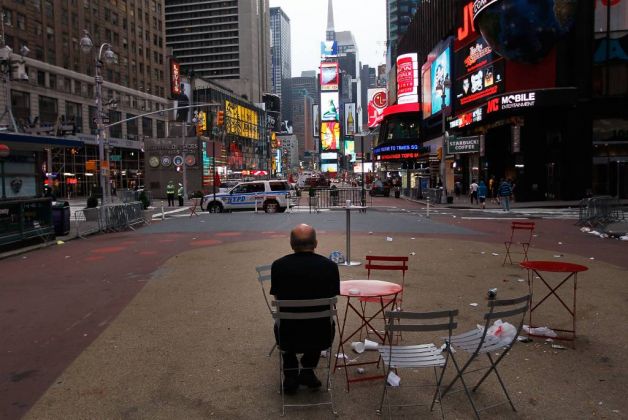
(39, 140)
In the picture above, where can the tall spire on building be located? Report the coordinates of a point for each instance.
(331, 33)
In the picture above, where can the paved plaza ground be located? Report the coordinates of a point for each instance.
(169, 322)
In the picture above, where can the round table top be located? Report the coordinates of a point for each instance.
(368, 288)
(554, 266)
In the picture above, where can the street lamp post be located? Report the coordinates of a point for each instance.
(109, 56)
(443, 162)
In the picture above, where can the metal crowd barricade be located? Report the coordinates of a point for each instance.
(110, 218)
(327, 198)
(600, 210)
(433, 194)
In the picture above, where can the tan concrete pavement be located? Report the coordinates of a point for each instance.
(193, 342)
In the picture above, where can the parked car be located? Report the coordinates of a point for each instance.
(272, 196)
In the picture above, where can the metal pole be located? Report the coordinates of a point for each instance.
(363, 196)
(185, 177)
(443, 162)
(348, 261)
(4, 193)
(214, 167)
(99, 134)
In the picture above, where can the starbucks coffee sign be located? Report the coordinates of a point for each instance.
(469, 144)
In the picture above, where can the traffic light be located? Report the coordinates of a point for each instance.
(439, 153)
(201, 123)
(220, 118)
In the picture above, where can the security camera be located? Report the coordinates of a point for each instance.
(24, 50)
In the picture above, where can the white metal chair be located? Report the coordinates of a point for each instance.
(304, 310)
(263, 277)
(478, 341)
(419, 356)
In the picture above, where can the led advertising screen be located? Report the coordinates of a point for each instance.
(329, 167)
(329, 48)
(407, 79)
(377, 102)
(329, 156)
(329, 106)
(426, 87)
(350, 149)
(329, 76)
(441, 70)
(479, 73)
(330, 135)
(316, 125)
(350, 119)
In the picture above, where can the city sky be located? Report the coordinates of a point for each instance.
(366, 19)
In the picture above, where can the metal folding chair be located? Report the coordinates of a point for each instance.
(413, 357)
(521, 234)
(478, 341)
(263, 277)
(384, 263)
(317, 309)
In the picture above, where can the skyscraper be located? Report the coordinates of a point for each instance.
(223, 39)
(280, 48)
(399, 14)
(330, 34)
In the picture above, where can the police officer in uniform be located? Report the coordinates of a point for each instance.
(170, 193)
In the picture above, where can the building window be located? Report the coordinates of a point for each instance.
(116, 130)
(7, 17)
(41, 78)
(48, 110)
(131, 128)
(161, 129)
(21, 105)
(74, 114)
(52, 81)
(147, 127)
(21, 21)
(49, 8)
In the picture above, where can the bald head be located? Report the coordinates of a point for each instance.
(303, 238)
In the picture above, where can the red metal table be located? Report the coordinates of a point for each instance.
(571, 271)
(356, 289)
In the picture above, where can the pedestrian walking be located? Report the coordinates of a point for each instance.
(170, 193)
(482, 192)
(504, 192)
(180, 195)
(492, 187)
(473, 191)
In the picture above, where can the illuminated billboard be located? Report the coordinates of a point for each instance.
(329, 48)
(329, 106)
(479, 73)
(329, 167)
(329, 76)
(330, 135)
(407, 79)
(241, 121)
(426, 87)
(329, 156)
(350, 119)
(350, 149)
(441, 71)
(377, 102)
(175, 78)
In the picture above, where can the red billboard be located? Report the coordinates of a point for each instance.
(377, 102)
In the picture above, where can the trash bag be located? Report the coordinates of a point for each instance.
(505, 331)
(337, 257)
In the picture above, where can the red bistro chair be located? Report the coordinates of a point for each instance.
(385, 263)
(521, 234)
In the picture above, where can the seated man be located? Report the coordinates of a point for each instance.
(303, 275)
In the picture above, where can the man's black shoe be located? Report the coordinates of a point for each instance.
(309, 379)
(290, 385)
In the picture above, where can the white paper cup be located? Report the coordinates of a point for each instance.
(370, 345)
(358, 346)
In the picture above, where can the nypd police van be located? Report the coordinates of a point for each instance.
(270, 196)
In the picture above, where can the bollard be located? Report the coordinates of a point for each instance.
(428, 208)
(163, 216)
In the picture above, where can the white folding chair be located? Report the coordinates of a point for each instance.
(418, 356)
(478, 341)
(305, 310)
(263, 277)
